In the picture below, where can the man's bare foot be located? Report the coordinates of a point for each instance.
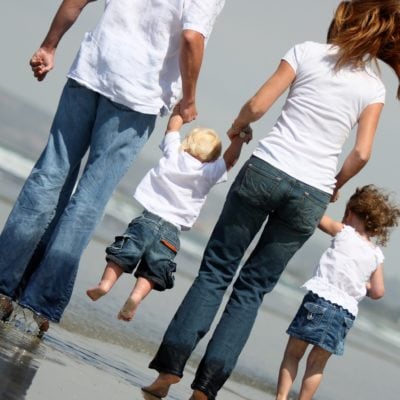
(128, 310)
(161, 385)
(198, 395)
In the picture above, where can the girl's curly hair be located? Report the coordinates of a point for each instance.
(379, 212)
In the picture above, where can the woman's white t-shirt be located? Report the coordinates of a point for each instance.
(345, 268)
(177, 187)
(322, 107)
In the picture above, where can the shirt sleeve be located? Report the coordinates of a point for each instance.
(170, 143)
(200, 15)
(216, 171)
(295, 56)
(380, 94)
(379, 257)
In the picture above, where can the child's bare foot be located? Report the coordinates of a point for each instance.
(198, 395)
(161, 385)
(99, 291)
(128, 310)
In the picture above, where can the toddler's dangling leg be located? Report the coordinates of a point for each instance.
(110, 275)
(142, 288)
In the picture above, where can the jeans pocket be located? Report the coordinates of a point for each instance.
(257, 186)
(169, 275)
(119, 242)
(169, 246)
(314, 313)
(305, 212)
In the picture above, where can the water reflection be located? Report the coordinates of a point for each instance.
(18, 362)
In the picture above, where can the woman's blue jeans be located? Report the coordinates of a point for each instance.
(292, 209)
(50, 225)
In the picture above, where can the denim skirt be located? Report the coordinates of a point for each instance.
(321, 323)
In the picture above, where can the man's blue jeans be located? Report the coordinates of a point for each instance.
(293, 209)
(48, 225)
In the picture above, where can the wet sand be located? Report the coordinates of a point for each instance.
(69, 366)
(92, 355)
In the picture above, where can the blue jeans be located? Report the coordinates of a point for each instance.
(148, 245)
(50, 225)
(259, 192)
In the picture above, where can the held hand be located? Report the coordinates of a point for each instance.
(175, 120)
(41, 63)
(247, 137)
(188, 110)
(234, 131)
(335, 195)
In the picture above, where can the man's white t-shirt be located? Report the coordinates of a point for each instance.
(345, 268)
(132, 55)
(177, 187)
(322, 107)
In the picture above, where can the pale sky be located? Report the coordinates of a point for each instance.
(247, 43)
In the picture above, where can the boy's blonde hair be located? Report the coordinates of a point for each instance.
(203, 144)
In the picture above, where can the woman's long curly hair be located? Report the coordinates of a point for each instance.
(376, 209)
(367, 30)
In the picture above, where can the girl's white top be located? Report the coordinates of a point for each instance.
(178, 186)
(132, 55)
(345, 268)
(322, 107)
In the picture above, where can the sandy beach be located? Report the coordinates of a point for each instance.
(92, 355)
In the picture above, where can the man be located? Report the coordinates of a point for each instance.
(136, 63)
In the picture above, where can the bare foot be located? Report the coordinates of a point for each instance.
(128, 310)
(198, 395)
(96, 292)
(161, 385)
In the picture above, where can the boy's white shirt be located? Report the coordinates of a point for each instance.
(177, 187)
(345, 268)
(322, 107)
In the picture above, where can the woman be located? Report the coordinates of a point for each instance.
(288, 181)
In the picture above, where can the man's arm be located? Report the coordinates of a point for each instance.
(42, 60)
(191, 58)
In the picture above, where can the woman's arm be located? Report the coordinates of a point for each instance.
(265, 97)
(376, 286)
(361, 152)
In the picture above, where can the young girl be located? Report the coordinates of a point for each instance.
(348, 270)
(172, 194)
(282, 191)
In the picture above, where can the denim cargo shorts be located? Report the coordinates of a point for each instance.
(148, 245)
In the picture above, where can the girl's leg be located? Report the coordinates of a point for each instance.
(316, 362)
(294, 352)
(110, 275)
(142, 288)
